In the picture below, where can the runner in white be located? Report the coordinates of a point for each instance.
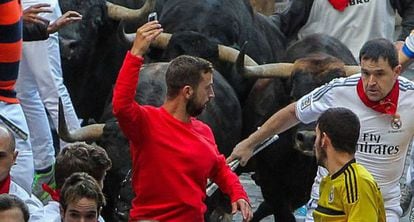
(383, 102)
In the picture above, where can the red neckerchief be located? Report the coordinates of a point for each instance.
(54, 194)
(339, 5)
(5, 185)
(387, 105)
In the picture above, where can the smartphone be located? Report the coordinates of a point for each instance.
(152, 17)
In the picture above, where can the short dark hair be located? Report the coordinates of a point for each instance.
(379, 48)
(81, 157)
(342, 127)
(185, 70)
(81, 185)
(8, 202)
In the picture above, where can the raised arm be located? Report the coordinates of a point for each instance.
(281, 121)
(406, 52)
(126, 110)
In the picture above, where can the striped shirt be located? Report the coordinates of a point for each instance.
(10, 48)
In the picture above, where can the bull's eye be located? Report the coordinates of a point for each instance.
(97, 21)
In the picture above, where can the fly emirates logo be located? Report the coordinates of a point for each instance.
(371, 143)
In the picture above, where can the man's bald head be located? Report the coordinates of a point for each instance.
(7, 138)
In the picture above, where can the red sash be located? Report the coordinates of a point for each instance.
(339, 5)
(54, 194)
(5, 185)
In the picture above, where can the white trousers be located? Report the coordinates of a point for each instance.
(52, 89)
(22, 172)
(34, 71)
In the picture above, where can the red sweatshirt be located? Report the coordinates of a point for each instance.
(171, 159)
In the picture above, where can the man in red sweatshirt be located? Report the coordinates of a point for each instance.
(173, 153)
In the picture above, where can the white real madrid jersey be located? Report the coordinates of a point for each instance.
(382, 146)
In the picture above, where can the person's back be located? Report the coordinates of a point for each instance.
(348, 192)
(340, 193)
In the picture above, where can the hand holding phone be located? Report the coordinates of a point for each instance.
(152, 17)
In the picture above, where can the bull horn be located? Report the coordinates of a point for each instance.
(226, 53)
(88, 133)
(262, 71)
(229, 54)
(273, 70)
(117, 12)
(160, 42)
(351, 70)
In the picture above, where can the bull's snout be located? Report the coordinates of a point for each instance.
(67, 47)
(304, 141)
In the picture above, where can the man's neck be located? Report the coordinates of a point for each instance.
(177, 109)
(338, 160)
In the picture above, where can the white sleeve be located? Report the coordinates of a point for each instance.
(52, 212)
(36, 209)
(312, 105)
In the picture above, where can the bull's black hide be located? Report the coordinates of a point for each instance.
(285, 175)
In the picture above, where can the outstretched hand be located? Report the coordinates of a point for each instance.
(31, 14)
(144, 36)
(242, 152)
(244, 208)
(66, 19)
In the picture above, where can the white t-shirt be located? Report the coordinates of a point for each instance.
(382, 146)
(359, 22)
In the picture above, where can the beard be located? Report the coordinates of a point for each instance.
(321, 155)
(193, 108)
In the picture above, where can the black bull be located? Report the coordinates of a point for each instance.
(92, 51)
(222, 114)
(285, 175)
(272, 161)
(232, 23)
